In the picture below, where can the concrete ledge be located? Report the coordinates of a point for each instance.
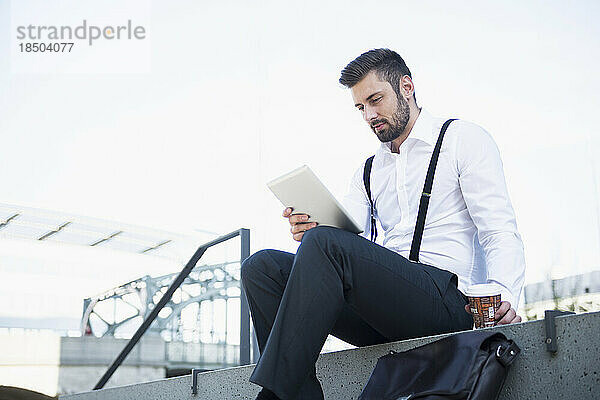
(572, 373)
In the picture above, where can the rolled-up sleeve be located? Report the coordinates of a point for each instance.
(483, 186)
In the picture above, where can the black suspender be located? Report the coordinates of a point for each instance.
(424, 202)
(367, 182)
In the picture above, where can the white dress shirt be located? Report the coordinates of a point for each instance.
(470, 227)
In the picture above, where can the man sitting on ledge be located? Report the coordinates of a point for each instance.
(343, 284)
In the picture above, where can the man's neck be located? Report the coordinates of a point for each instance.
(414, 114)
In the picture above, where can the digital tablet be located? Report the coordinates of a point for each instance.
(305, 194)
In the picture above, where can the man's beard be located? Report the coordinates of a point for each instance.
(397, 125)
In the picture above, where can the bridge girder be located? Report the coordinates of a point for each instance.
(205, 283)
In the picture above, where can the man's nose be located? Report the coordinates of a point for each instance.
(370, 114)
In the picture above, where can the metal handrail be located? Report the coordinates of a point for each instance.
(244, 235)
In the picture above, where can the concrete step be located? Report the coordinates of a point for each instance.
(572, 373)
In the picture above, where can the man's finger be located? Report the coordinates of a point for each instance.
(297, 228)
(468, 309)
(298, 218)
(504, 307)
(508, 318)
(517, 319)
(287, 212)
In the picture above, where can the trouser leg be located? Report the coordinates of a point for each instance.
(334, 271)
(265, 276)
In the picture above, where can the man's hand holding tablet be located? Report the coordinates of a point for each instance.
(308, 203)
(298, 223)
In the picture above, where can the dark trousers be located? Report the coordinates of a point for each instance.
(341, 284)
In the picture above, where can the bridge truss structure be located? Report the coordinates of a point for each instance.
(201, 310)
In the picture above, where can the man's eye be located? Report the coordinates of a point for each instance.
(376, 100)
(360, 109)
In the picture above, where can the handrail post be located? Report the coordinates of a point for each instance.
(244, 309)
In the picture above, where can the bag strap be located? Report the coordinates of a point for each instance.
(367, 182)
(424, 203)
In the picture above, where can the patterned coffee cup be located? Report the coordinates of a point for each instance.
(484, 301)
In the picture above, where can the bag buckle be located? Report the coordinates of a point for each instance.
(506, 355)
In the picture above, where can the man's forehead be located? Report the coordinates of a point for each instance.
(367, 86)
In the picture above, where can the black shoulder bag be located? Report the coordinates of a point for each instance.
(469, 366)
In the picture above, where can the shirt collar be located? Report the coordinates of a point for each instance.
(421, 130)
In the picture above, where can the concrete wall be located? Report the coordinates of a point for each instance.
(573, 373)
(82, 378)
(90, 350)
(212, 356)
(84, 360)
(45, 362)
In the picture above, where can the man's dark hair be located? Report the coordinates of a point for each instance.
(387, 64)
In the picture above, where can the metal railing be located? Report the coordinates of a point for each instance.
(244, 235)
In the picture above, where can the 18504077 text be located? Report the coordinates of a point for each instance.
(35, 47)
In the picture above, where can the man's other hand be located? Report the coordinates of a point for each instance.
(505, 314)
(298, 223)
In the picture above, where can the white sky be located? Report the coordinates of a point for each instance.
(236, 94)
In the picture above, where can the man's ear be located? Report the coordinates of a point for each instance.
(407, 87)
